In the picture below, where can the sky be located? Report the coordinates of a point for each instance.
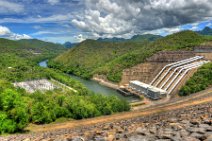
(76, 20)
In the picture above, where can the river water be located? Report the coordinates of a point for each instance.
(96, 87)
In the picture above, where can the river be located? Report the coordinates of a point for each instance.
(96, 87)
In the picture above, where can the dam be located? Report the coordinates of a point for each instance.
(167, 79)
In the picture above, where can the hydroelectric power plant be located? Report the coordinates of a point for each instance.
(167, 79)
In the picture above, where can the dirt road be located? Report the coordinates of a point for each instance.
(196, 99)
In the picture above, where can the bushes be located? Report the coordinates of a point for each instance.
(199, 81)
(18, 109)
(109, 105)
(67, 80)
(14, 116)
(6, 124)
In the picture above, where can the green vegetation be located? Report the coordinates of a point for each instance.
(201, 80)
(18, 109)
(30, 49)
(84, 59)
(18, 59)
(18, 62)
(110, 59)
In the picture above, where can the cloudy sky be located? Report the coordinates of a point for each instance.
(76, 20)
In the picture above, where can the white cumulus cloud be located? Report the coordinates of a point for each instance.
(121, 17)
(6, 33)
(79, 38)
(4, 30)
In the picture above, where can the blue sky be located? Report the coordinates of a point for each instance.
(76, 20)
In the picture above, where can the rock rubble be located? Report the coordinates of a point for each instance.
(188, 124)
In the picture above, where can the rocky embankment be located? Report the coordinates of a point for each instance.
(188, 124)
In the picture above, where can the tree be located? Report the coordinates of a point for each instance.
(6, 125)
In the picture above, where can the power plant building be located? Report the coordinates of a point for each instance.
(146, 89)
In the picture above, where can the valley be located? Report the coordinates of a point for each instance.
(96, 87)
(105, 70)
(51, 94)
(35, 99)
(142, 62)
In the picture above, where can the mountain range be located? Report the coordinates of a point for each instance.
(206, 31)
(150, 37)
(108, 58)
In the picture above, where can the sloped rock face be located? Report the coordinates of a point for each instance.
(171, 56)
(188, 124)
(145, 72)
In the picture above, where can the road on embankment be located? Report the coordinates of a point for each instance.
(195, 99)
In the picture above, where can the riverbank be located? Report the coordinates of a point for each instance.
(106, 83)
(98, 86)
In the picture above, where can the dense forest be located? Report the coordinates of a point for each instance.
(201, 80)
(18, 108)
(111, 58)
(18, 62)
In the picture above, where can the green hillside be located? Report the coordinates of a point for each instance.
(90, 55)
(201, 80)
(83, 59)
(185, 40)
(93, 57)
(31, 48)
(149, 37)
(18, 59)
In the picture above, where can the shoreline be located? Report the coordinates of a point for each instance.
(105, 83)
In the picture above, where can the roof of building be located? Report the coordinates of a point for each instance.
(147, 86)
(139, 83)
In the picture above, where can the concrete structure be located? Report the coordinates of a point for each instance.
(146, 89)
(168, 78)
(145, 72)
(173, 65)
(36, 85)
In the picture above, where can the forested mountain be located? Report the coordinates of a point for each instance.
(139, 38)
(110, 58)
(91, 54)
(69, 44)
(206, 31)
(30, 48)
(22, 55)
(111, 39)
(149, 37)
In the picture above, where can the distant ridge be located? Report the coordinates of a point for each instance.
(69, 44)
(31, 46)
(149, 37)
(115, 39)
(206, 31)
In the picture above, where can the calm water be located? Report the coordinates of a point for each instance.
(43, 64)
(95, 86)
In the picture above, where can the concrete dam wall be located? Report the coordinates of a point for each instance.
(146, 72)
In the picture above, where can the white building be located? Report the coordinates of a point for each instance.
(146, 89)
